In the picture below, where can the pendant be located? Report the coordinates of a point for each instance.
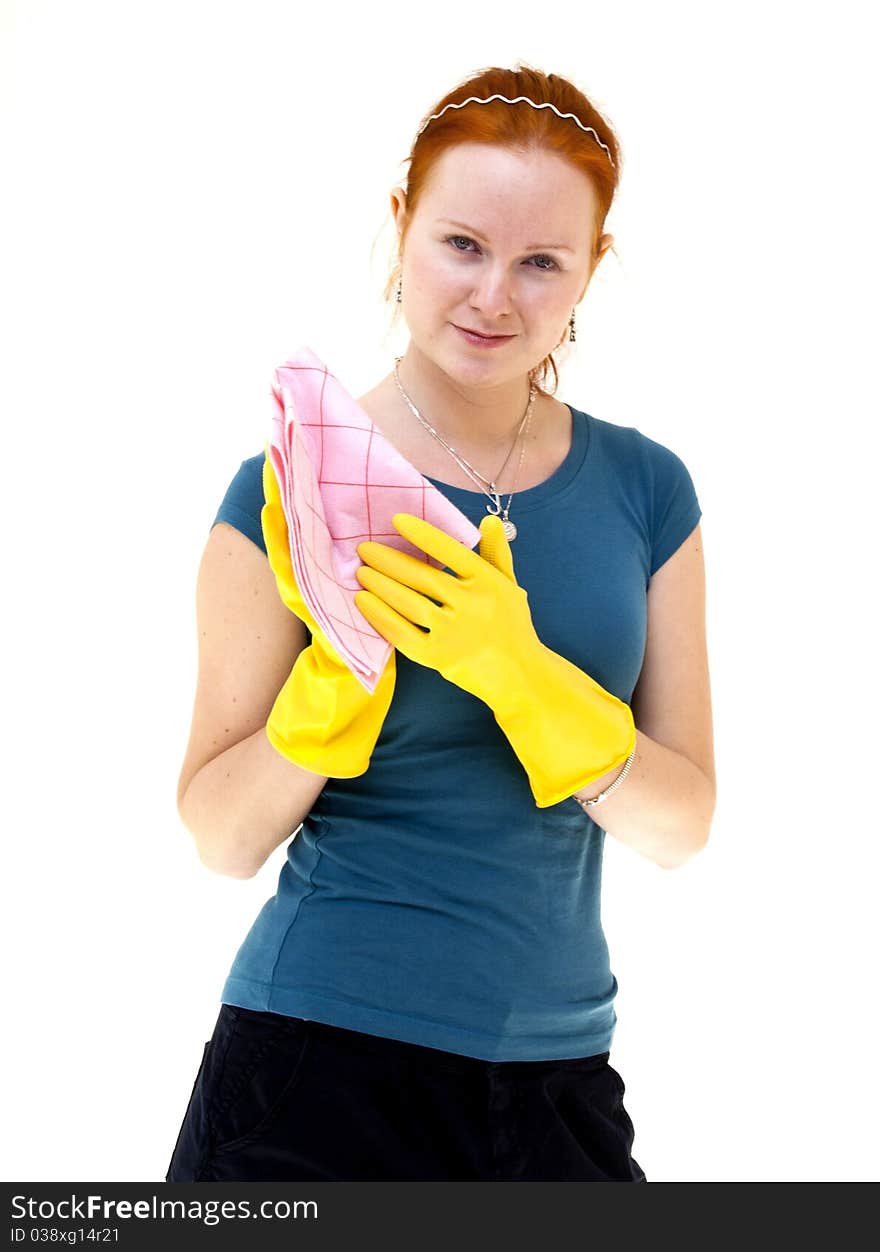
(509, 528)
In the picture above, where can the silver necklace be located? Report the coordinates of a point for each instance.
(482, 482)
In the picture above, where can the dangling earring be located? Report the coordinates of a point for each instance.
(399, 290)
(571, 327)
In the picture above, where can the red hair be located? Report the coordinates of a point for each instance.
(519, 128)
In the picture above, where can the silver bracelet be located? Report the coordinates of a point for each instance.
(603, 795)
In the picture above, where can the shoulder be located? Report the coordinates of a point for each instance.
(638, 458)
(247, 481)
(250, 473)
(243, 500)
(649, 480)
(630, 446)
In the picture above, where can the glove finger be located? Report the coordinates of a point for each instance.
(494, 546)
(274, 524)
(277, 540)
(275, 535)
(271, 490)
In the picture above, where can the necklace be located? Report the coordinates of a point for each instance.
(482, 482)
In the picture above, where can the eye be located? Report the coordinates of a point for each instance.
(541, 256)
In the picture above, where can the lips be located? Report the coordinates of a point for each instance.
(484, 334)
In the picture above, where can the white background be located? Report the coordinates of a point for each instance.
(194, 190)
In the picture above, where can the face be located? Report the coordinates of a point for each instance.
(500, 243)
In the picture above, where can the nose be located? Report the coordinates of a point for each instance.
(491, 294)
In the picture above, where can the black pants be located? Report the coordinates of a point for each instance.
(283, 1099)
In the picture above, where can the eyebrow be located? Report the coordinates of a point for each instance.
(559, 247)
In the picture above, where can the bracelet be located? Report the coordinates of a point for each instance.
(603, 795)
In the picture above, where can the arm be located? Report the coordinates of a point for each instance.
(571, 735)
(664, 807)
(237, 796)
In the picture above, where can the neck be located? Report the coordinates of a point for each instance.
(466, 414)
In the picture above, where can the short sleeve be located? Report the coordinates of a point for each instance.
(243, 502)
(675, 507)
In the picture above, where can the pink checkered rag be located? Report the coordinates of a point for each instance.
(341, 482)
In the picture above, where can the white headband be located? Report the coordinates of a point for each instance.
(546, 105)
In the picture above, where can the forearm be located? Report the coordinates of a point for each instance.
(663, 808)
(241, 805)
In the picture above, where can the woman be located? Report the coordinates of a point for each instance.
(428, 994)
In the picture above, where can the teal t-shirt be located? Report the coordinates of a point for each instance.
(430, 900)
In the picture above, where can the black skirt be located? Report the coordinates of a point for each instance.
(284, 1099)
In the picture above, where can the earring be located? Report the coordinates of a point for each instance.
(399, 290)
(571, 327)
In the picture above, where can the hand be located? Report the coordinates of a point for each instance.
(323, 719)
(565, 728)
(480, 633)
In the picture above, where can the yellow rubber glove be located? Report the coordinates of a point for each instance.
(566, 729)
(323, 719)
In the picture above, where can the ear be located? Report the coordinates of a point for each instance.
(398, 208)
(604, 244)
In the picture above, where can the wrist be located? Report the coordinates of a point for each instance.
(601, 788)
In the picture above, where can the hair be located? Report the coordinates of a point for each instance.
(519, 128)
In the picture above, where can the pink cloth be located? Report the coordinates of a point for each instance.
(341, 482)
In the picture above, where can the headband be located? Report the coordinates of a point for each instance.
(545, 105)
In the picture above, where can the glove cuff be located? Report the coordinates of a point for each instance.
(566, 729)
